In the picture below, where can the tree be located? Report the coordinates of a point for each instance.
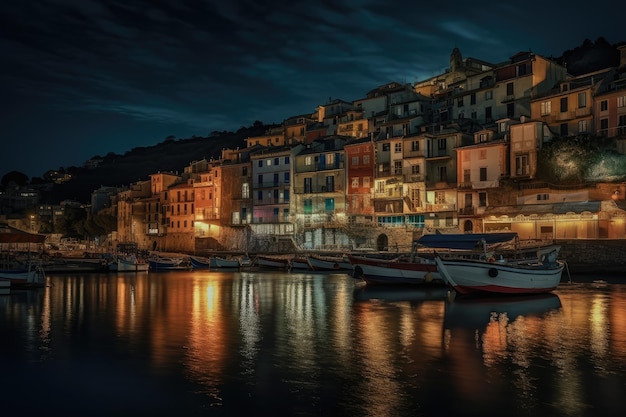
(72, 224)
(16, 177)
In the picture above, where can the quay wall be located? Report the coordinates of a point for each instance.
(594, 256)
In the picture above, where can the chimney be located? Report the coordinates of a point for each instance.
(622, 56)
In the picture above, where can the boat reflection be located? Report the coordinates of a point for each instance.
(479, 312)
(410, 293)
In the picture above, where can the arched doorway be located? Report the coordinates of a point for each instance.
(382, 243)
(468, 226)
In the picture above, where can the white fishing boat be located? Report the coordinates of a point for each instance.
(329, 263)
(131, 264)
(469, 276)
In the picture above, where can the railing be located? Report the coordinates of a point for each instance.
(317, 166)
(389, 194)
(414, 178)
(412, 154)
(318, 189)
(271, 184)
(440, 207)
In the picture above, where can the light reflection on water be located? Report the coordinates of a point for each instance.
(312, 344)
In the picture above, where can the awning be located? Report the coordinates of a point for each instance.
(10, 234)
(465, 241)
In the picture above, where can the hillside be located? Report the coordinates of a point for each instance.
(174, 155)
(138, 163)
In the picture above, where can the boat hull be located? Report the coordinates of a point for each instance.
(318, 264)
(226, 263)
(23, 277)
(124, 265)
(391, 272)
(167, 264)
(300, 264)
(198, 262)
(273, 263)
(472, 277)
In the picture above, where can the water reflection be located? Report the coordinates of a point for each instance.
(313, 344)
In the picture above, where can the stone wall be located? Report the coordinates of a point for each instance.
(594, 256)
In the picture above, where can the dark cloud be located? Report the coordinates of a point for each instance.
(86, 77)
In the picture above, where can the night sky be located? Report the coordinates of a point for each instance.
(82, 78)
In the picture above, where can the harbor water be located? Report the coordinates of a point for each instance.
(196, 343)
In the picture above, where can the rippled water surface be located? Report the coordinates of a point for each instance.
(265, 343)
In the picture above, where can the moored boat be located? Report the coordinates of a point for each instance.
(399, 271)
(272, 262)
(299, 263)
(27, 275)
(160, 263)
(201, 262)
(131, 264)
(69, 265)
(469, 276)
(226, 263)
(329, 263)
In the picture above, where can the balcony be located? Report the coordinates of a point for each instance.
(389, 194)
(413, 154)
(414, 178)
(318, 166)
(467, 211)
(318, 189)
(439, 153)
(440, 207)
